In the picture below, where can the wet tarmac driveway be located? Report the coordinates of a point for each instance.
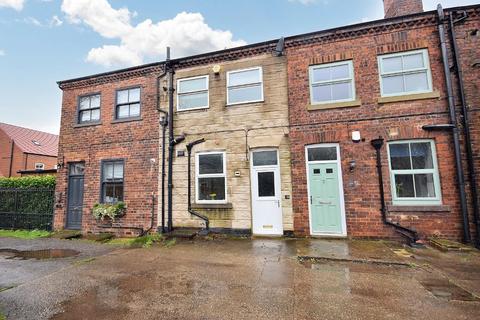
(254, 279)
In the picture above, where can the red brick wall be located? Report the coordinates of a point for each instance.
(396, 8)
(392, 121)
(136, 142)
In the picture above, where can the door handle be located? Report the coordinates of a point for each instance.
(310, 199)
(278, 203)
(323, 202)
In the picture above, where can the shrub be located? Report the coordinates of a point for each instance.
(33, 182)
(105, 210)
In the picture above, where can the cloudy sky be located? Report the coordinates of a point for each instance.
(42, 41)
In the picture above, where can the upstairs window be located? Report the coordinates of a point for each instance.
(128, 103)
(192, 93)
(405, 73)
(112, 181)
(332, 82)
(211, 177)
(89, 109)
(244, 86)
(414, 172)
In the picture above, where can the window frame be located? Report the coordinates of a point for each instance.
(115, 113)
(424, 201)
(427, 67)
(207, 90)
(210, 175)
(311, 84)
(79, 111)
(244, 85)
(102, 182)
(41, 164)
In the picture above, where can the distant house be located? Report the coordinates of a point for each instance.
(25, 151)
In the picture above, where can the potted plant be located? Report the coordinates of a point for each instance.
(109, 210)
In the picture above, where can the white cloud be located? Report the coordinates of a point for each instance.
(308, 2)
(2, 52)
(55, 22)
(14, 4)
(186, 33)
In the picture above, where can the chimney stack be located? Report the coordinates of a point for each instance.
(397, 8)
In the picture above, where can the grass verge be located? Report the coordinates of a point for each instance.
(25, 234)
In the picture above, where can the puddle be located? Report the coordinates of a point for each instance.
(351, 266)
(38, 254)
(444, 289)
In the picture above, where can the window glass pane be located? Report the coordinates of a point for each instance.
(393, 84)
(113, 192)
(322, 93)
(265, 158)
(118, 170)
(85, 116)
(108, 171)
(416, 82)
(192, 85)
(134, 110)
(210, 163)
(122, 96)
(341, 91)
(134, 95)
(340, 72)
(196, 100)
(322, 153)
(244, 77)
(123, 111)
(392, 64)
(424, 186)
(266, 184)
(404, 185)
(84, 103)
(95, 114)
(400, 156)
(77, 168)
(421, 155)
(413, 61)
(95, 101)
(245, 94)
(211, 188)
(321, 74)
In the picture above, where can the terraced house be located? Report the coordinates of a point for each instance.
(359, 131)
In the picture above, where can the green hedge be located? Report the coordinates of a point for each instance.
(33, 182)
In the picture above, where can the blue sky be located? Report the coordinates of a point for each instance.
(42, 41)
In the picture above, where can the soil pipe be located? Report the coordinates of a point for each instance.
(410, 234)
(189, 196)
(163, 123)
(171, 138)
(453, 119)
(466, 125)
(11, 158)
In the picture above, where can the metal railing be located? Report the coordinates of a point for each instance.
(26, 208)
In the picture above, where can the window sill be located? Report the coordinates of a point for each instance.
(127, 120)
(244, 103)
(192, 110)
(90, 124)
(334, 105)
(410, 97)
(212, 206)
(419, 208)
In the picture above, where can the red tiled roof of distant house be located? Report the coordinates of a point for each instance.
(32, 141)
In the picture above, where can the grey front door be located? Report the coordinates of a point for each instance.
(75, 195)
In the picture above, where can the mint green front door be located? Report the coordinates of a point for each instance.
(325, 204)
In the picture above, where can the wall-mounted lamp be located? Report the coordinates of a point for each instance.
(352, 165)
(356, 137)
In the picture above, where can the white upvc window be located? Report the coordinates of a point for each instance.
(405, 73)
(192, 93)
(245, 86)
(332, 82)
(211, 177)
(39, 166)
(414, 173)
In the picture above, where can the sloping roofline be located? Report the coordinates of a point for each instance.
(267, 43)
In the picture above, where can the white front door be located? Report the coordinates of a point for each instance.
(266, 193)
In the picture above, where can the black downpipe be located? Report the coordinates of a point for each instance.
(453, 119)
(466, 127)
(410, 234)
(189, 151)
(163, 123)
(171, 138)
